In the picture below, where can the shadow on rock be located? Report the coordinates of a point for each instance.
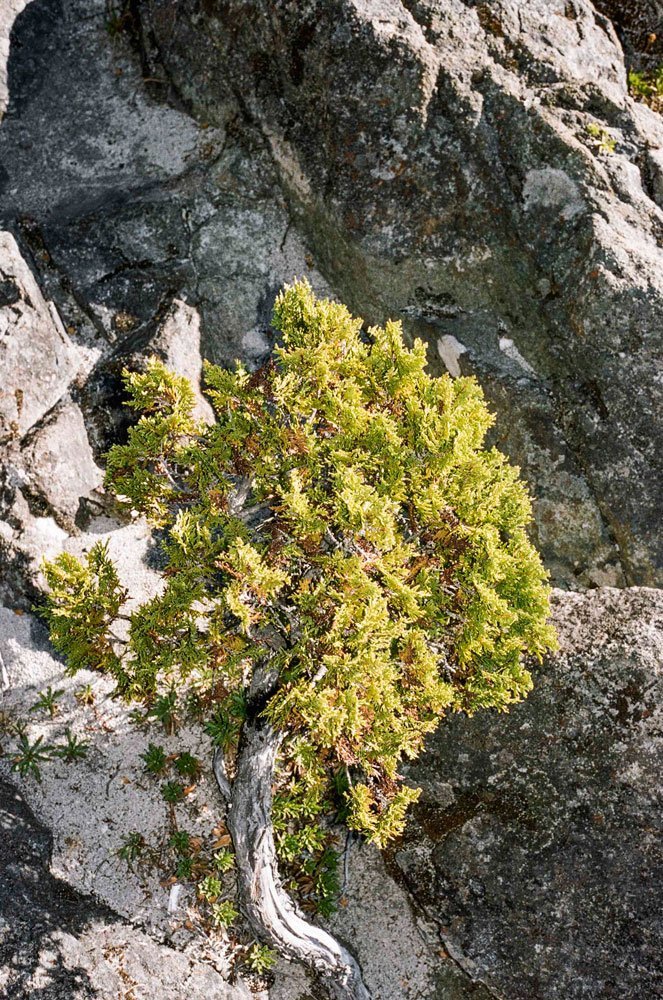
(36, 909)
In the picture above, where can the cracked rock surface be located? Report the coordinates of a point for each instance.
(165, 166)
(530, 868)
(59, 944)
(442, 161)
(536, 845)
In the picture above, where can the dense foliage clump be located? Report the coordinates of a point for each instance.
(340, 527)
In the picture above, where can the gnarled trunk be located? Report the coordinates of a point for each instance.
(271, 912)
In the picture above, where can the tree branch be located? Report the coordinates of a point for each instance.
(270, 911)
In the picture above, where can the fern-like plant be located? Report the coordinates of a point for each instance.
(346, 563)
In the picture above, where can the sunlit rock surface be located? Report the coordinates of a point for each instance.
(164, 168)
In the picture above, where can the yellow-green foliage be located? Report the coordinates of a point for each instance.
(647, 86)
(605, 143)
(342, 522)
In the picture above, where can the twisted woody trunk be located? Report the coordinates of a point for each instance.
(270, 911)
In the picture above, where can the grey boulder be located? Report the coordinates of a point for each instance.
(480, 171)
(535, 847)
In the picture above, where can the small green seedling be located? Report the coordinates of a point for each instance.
(85, 695)
(184, 869)
(605, 143)
(164, 710)
(224, 914)
(188, 766)
(132, 848)
(48, 702)
(647, 86)
(73, 749)
(155, 759)
(224, 724)
(224, 860)
(27, 758)
(180, 842)
(210, 888)
(260, 958)
(172, 792)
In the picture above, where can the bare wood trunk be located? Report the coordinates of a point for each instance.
(267, 906)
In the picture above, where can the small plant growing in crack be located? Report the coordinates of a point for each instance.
(165, 710)
(172, 792)
(188, 766)
(132, 848)
(260, 958)
(346, 564)
(224, 914)
(224, 860)
(180, 842)
(647, 86)
(85, 695)
(602, 140)
(155, 759)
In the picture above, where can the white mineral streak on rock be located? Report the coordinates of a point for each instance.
(450, 351)
(174, 897)
(508, 347)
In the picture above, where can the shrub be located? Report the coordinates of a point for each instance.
(647, 86)
(346, 563)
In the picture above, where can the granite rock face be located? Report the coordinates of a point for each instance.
(530, 869)
(536, 845)
(37, 358)
(123, 201)
(453, 165)
(38, 365)
(638, 27)
(165, 166)
(446, 164)
(57, 944)
(60, 467)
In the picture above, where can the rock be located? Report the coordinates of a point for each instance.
(38, 363)
(37, 358)
(529, 869)
(61, 470)
(177, 343)
(442, 162)
(638, 28)
(655, 161)
(534, 846)
(153, 206)
(58, 944)
(165, 168)
(153, 222)
(10, 10)
(156, 234)
(91, 807)
(398, 949)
